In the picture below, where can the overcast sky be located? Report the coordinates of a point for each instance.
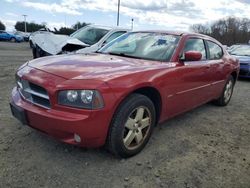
(147, 14)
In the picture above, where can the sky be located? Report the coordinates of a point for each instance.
(147, 14)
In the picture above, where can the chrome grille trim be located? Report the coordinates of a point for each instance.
(28, 99)
(33, 93)
(28, 90)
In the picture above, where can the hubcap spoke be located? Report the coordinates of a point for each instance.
(139, 114)
(228, 91)
(137, 127)
(145, 122)
(129, 138)
(130, 123)
(138, 136)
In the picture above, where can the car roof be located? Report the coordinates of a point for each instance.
(107, 27)
(180, 33)
(173, 32)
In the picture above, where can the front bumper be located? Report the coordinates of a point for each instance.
(91, 126)
(244, 71)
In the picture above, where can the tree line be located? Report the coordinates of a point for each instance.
(32, 27)
(228, 31)
(2, 26)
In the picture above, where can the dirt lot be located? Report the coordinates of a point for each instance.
(207, 147)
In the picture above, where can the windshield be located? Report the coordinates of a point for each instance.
(241, 50)
(151, 46)
(89, 35)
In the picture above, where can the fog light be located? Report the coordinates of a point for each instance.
(77, 138)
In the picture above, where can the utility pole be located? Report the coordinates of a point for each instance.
(132, 24)
(118, 13)
(25, 27)
(64, 20)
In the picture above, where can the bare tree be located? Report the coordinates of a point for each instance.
(228, 31)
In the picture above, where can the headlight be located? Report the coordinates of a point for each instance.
(88, 99)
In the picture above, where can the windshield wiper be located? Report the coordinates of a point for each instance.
(123, 55)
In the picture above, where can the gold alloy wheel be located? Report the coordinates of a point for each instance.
(228, 91)
(137, 128)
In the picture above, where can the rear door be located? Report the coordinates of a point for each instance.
(217, 65)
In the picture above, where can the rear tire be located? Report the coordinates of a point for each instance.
(132, 126)
(226, 95)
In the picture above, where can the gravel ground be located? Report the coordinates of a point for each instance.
(207, 147)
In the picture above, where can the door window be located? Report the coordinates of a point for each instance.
(196, 45)
(215, 51)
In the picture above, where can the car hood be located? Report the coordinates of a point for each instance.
(94, 66)
(55, 44)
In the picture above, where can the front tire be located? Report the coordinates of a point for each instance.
(12, 39)
(226, 95)
(34, 52)
(132, 126)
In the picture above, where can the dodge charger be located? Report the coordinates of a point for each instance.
(116, 97)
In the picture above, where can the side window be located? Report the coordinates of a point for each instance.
(215, 50)
(196, 45)
(114, 36)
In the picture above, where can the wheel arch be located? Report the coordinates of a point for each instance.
(234, 75)
(154, 95)
(149, 91)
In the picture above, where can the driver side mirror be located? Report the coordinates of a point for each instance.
(192, 56)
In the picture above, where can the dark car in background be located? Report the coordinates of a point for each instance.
(7, 36)
(242, 52)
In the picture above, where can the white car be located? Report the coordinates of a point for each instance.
(85, 40)
(40, 31)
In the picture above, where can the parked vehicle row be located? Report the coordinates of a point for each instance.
(7, 36)
(116, 96)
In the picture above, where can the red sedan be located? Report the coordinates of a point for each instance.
(117, 95)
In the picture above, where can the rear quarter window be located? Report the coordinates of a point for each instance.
(215, 51)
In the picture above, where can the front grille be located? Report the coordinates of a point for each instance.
(33, 93)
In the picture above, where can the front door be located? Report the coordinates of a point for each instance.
(190, 85)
